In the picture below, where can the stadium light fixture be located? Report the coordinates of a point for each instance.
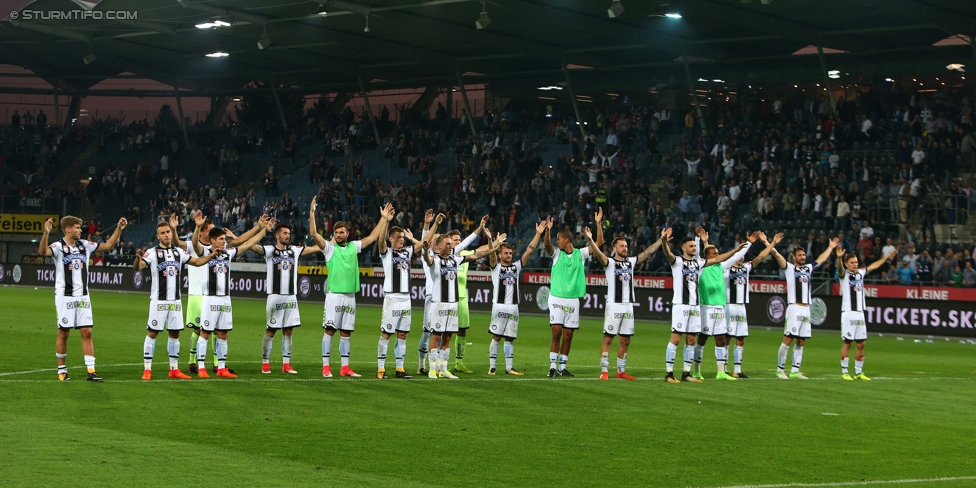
(615, 9)
(218, 54)
(90, 57)
(889, 80)
(322, 11)
(483, 20)
(265, 40)
(551, 87)
(366, 29)
(956, 67)
(673, 15)
(833, 74)
(214, 24)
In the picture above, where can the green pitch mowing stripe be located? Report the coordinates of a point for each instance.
(305, 430)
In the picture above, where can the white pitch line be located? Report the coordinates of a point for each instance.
(858, 483)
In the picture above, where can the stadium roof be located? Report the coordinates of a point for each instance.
(416, 43)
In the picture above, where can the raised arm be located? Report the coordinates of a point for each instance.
(195, 240)
(139, 264)
(201, 261)
(114, 238)
(386, 215)
(378, 229)
(665, 244)
(426, 254)
(474, 235)
(241, 239)
(840, 259)
(174, 224)
(822, 258)
(42, 247)
(780, 260)
(738, 252)
(770, 246)
(259, 233)
(594, 249)
(547, 238)
(599, 226)
(644, 256)
(311, 229)
(877, 264)
(539, 229)
(484, 251)
(418, 244)
(701, 240)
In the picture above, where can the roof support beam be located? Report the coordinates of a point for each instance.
(954, 22)
(774, 25)
(494, 39)
(650, 38)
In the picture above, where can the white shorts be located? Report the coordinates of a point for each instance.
(797, 322)
(281, 312)
(396, 313)
(427, 312)
(504, 320)
(685, 319)
(564, 311)
(738, 323)
(340, 311)
(853, 327)
(618, 319)
(165, 314)
(713, 320)
(444, 317)
(216, 314)
(73, 312)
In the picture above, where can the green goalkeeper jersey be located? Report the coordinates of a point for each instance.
(711, 286)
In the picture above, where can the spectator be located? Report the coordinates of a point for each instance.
(906, 275)
(969, 276)
(923, 268)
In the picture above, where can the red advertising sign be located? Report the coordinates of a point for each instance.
(916, 292)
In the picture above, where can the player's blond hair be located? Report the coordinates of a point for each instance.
(69, 220)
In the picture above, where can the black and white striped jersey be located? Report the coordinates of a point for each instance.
(505, 282)
(620, 280)
(216, 280)
(737, 284)
(71, 267)
(852, 290)
(396, 269)
(282, 269)
(799, 283)
(444, 278)
(685, 273)
(166, 268)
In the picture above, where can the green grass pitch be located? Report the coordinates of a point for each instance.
(915, 421)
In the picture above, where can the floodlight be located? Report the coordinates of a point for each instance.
(615, 9)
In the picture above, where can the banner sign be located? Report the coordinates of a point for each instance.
(916, 292)
(24, 223)
(767, 307)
